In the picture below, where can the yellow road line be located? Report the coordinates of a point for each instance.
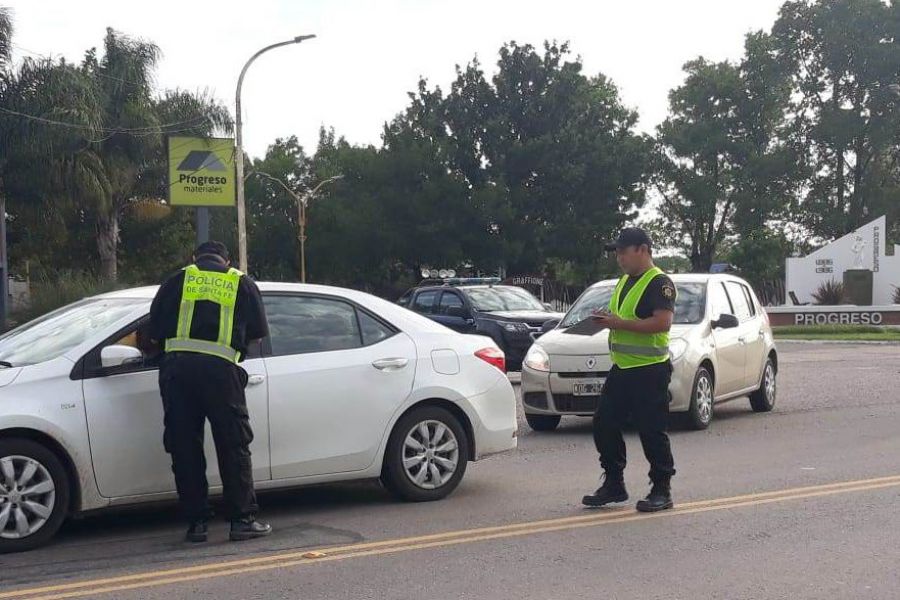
(276, 561)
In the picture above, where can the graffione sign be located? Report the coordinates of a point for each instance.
(201, 171)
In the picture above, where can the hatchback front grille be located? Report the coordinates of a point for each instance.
(583, 374)
(577, 404)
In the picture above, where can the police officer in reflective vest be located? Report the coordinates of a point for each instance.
(639, 317)
(209, 314)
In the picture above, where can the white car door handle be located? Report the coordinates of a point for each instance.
(390, 364)
(256, 379)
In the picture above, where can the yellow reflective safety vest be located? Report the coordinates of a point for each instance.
(207, 286)
(628, 349)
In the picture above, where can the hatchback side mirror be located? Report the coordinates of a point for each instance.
(120, 356)
(548, 306)
(726, 321)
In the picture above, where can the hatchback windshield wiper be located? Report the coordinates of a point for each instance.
(8, 365)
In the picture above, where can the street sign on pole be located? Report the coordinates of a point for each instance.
(201, 171)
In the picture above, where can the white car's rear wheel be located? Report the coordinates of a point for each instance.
(34, 495)
(426, 455)
(763, 399)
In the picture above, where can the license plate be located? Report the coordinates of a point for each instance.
(588, 389)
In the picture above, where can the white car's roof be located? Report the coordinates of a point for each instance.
(399, 316)
(685, 278)
(148, 292)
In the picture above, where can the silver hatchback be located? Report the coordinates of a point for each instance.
(721, 347)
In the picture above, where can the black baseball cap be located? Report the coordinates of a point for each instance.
(630, 236)
(212, 248)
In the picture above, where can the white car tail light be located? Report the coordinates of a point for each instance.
(493, 356)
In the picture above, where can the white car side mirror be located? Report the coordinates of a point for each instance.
(117, 356)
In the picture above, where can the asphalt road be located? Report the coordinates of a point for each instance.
(798, 503)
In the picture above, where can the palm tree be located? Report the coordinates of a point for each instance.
(131, 151)
(6, 30)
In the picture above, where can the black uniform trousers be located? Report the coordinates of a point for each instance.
(642, 394)
(194, 388)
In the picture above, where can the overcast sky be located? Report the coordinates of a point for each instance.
(369, 54)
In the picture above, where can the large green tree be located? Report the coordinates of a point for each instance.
(548, 155)
(722, 168)
(843, 57)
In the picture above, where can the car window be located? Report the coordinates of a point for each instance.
(592, 299)
(305, 324)
(738, 297)
(750, 302)
(404, 299)
(449, 300)
(503, 298)
(373, 330)
(719, 304)
(689, 305)
(424, 302)
(55, 334)
(136, 336)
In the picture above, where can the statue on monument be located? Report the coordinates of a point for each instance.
(859, 251)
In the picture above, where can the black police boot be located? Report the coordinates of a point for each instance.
(248, 528)
(197, 532)
(660, 498)
(612, 490)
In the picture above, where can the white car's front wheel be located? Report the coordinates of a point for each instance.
(700, 413)
(426, 455)
(34, 494)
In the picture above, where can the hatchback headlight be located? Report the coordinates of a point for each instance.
(537, 359)
(514, 327)
(677, 348)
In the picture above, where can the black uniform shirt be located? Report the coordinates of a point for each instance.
(249, 314)
(660, 295)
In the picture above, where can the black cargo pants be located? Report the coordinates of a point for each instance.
(194, 388)
(642, 394)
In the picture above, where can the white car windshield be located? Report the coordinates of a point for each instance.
(689, 306)
(56, 333)
(495, 299)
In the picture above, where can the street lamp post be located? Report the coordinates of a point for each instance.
(239, 150)
(301, 208)
(302, 203)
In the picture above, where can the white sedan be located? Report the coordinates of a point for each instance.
(347, 386)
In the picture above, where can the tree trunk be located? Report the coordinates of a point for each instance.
(108, 243)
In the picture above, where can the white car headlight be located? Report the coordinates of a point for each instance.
(677, 348)
(537, 359)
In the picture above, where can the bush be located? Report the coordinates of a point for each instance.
(48, 294)
(830, 293)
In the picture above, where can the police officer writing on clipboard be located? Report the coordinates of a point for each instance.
(209, 314)
(639, 317)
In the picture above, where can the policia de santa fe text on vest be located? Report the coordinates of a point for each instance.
(639, 317)
(209, 314)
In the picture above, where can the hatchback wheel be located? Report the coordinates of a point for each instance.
(426, 455)
(34, 494)
(763, 399)
(700, 413)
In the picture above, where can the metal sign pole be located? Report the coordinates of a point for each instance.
(202, 224)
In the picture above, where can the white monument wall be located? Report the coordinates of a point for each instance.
(865, 248)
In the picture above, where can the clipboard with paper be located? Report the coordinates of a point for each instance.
(588, 326)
